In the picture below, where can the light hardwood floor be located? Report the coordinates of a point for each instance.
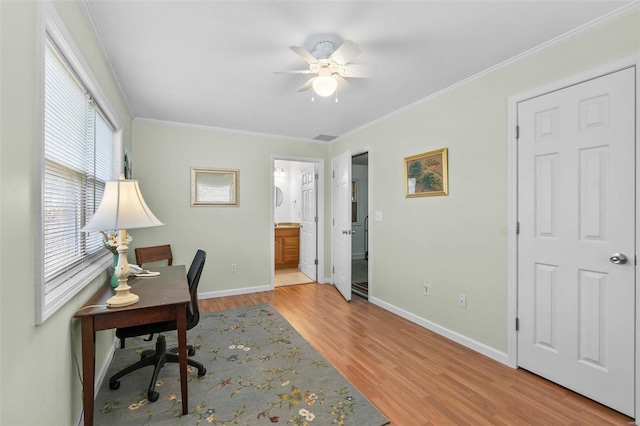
(291, 276)
(414, 376)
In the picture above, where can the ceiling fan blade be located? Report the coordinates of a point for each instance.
(307, 85)
(304, 54)
(294, 72)
(359, 70)
(342, 83)
(346, 52)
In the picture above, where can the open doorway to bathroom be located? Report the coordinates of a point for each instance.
(295, 222)
(360, 225)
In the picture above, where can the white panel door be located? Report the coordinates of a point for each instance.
(341, 229)
(576, 196)
(308, 228)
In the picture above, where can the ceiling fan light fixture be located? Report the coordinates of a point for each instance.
(331, 66)
(323, 49)
(325, 85)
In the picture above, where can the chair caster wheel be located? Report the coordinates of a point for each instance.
(114, 385)
(202, 371)
(153, 396)
(191, 351)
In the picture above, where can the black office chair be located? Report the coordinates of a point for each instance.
(161, 356)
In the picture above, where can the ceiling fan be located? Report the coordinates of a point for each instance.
(331, 66)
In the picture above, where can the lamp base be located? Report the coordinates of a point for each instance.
(123, 297)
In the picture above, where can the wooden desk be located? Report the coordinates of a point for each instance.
(162, 298)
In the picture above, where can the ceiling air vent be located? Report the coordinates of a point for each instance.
(324, 138)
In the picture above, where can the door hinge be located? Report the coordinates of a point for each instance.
(517, 132)
(517, 228)
(315, 219)
(333, 269)
(315, 176)
(333, 174)
(333, 221)
(315, 262)
(517, 324)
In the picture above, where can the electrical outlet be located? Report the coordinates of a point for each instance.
(234, 267)
(427, 288)
(462, 301)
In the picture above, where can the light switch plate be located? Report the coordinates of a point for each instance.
(378, 216)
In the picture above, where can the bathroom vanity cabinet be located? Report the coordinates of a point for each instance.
(287, 246)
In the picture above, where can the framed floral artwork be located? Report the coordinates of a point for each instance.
(426, 174)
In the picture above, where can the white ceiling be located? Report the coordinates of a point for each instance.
(212, 63)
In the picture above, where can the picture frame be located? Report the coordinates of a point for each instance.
(127, 165)
(426, 174)
(214, 187)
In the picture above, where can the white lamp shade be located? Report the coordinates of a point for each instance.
(122, 207)
(325, 85)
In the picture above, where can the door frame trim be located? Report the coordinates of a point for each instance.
(512, 199)
(354, 152)
(319, 162)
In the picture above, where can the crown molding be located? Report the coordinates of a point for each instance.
(576, 32)
(86, 9)
(226, 130)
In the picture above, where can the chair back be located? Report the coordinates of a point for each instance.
(193, 278)
(154, 254)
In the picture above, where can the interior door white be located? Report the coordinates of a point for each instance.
(309, 224)
(341, 229)
(576, 195)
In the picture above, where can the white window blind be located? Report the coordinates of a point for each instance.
(79, 157)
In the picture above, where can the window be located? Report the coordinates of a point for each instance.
(78, 158)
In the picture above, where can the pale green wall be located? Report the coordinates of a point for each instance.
(39, 383)
(0, 214)
(163, 155)
(459, 242)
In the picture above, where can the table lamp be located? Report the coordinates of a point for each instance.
(122, 207)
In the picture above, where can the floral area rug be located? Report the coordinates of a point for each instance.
(259, 371)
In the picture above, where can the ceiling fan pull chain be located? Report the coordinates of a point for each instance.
(336, 96)
(312, 99)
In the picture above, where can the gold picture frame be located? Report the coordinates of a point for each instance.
(214, 187)
(426, 174)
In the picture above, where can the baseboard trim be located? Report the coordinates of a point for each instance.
(235, 292)
(445, 332)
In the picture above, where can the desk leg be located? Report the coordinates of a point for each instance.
(88, 368)
(181, 323)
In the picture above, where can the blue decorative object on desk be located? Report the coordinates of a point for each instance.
(114, 278)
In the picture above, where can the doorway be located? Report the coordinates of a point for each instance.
(350, 223)
(296, 221)
(360, 225)
(576, 298)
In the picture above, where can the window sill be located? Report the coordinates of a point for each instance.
(62, 294)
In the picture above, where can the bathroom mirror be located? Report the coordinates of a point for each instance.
(278, 196)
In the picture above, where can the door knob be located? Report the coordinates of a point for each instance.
(618, 259)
